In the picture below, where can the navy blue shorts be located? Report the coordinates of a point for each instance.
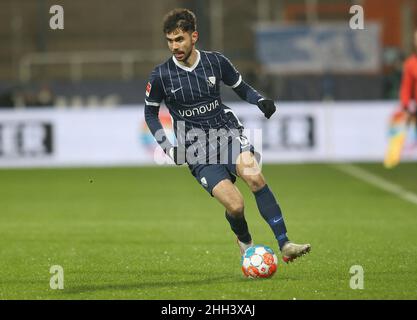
(209, 175)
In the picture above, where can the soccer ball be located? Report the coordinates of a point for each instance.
(259, 262)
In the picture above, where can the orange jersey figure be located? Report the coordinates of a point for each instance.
(408, 91)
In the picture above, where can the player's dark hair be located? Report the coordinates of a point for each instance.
(179, 18)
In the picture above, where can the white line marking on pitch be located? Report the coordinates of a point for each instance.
(379, 182)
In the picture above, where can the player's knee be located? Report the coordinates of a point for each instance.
(236, 208)
(255, 182)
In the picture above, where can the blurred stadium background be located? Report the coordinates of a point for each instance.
(291, 51)
(74, 98)
(106, 53)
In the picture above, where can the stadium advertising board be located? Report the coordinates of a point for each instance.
(26, 139)
(331, 47)
(301, 132)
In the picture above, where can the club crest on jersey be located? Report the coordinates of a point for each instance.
(148, 89)
(211, 81)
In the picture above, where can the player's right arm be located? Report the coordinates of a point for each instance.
(154, 95)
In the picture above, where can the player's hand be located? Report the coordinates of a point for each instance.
(174, 154)
(267, 106)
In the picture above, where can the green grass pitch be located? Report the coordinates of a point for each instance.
(154, 233)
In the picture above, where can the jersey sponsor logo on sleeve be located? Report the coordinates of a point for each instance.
(148, 89)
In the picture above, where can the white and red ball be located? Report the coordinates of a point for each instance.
(259, 262)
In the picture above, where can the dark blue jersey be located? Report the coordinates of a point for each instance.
(192, 94)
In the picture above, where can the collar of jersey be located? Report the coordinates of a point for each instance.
(189, 69)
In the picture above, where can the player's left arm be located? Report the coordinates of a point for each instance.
(232, 78)
(246, 92)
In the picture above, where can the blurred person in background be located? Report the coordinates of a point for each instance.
(408, 89)
(45, 96)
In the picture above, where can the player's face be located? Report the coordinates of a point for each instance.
(181, 43)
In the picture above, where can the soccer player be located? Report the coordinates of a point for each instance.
(408, 89)
(189, 83)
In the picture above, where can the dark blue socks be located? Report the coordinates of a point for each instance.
(271, 212)
(239, 227)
